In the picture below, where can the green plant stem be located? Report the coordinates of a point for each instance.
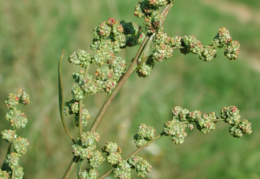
(80, 117)
(61, 105)
(70, 167)
(133, 153)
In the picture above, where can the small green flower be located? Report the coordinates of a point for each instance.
(96, 159)
(8, 135)
(12, 160)
(21, 145)
(123, 170)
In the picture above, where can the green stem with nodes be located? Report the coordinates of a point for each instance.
(130, 70)
(133, 153)
(61, 105)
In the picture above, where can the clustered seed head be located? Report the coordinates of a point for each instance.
(205, 122)
(85, 148)
(141, 165)
(4, 174)
(230, 115)
(72, 107)
(122, 170)
(163, 47)
(109, 38)
(112, 152)
(8, 135)
(238, 127)
(176, 130)
(224, 40)
(17, 120)
(88, 174)
(86, 145)
(21, 145)
(144, 134)
(151, 11)
(18, 172)
(19, 97)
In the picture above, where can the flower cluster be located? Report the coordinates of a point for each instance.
(17, 120)
(88, 174)
(163, 47)
(141, 165)
(85, 148)
(206, 53)
(109, 38)
(122, 168)
(205, 122)
(151, 11)
(144, 134)
(72, 107)
(238, 127)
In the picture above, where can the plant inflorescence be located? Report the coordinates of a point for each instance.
(18, 145)
(110, 73)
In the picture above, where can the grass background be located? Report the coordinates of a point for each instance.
(33, 35)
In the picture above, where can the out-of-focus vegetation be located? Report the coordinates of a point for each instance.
(33, 35)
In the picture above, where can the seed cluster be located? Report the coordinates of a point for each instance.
(205, 122)
(238, 127)
(144, 134)
(163, 47)
(17, 120)
(141, 165)
(151, 11)
(122, 168)
(85, 148)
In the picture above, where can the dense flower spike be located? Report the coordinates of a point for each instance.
(17, 120)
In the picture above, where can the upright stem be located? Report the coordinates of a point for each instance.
(132, 154)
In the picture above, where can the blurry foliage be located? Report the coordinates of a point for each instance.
(32, 36)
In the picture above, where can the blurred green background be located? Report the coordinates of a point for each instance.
(33, 35)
